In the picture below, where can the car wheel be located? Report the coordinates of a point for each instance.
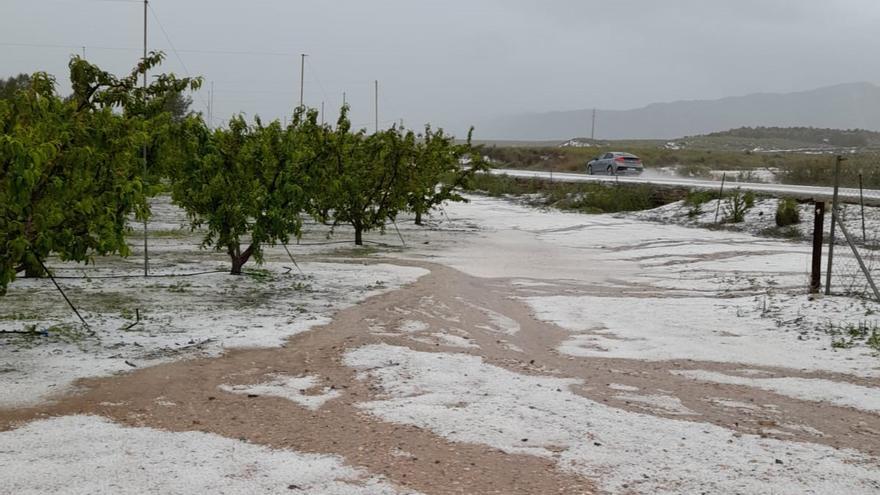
(589, 170)
(609, 170)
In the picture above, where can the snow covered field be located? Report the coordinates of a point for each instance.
(179, 317)
(638, 356)
(454, 394)
(86, 454)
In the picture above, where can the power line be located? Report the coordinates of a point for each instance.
(176, 54)
(181, 50)
(132, 48)
(314, 74)
(75, 47)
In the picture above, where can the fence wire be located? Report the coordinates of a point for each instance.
(847, 276)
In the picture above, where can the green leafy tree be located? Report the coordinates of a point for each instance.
(365, 178)
(161, 105)
(177, 105)
(70, 168)
(165, 149)
(439, 170)
(248, 185)
(11, 85)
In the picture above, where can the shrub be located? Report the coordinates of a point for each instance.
(787, 213)
(737, 206)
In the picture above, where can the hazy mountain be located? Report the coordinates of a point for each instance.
(843, 106)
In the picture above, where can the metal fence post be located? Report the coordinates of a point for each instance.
(862, 204)
(818, 234)
(837, 162)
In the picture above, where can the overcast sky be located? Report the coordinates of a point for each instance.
(456, 62)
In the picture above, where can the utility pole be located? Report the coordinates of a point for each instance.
(322, 114)
(144, 180)
(376, 101)
(343, 98)
(211, 107)
(84, 52)
(302, 77)
(593, 128)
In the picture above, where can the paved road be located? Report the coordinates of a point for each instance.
(871, 196)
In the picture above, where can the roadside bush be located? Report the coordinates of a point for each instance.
(787, 213)
(599, 198)
(500, 185)
(738, 203)
(582, 197)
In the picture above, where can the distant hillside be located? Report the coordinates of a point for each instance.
(845, 106)
(841, 138)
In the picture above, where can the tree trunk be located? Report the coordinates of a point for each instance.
(237, 263)
(418, 218)
(239, 258)
(358, 234)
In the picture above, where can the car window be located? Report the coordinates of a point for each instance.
(607, 155)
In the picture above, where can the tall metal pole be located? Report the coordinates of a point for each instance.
(84, 52)
(862, 204)
(343, 98)
(302, 77)
(593, 127)
(211, 107)
(376, 101)
(837, 163)
(322, 114)
(146, 249)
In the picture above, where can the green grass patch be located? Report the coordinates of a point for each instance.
(848, 335)
(582, 197)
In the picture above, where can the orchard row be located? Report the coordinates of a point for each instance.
(75, 169)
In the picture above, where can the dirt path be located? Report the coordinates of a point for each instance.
(484, 318)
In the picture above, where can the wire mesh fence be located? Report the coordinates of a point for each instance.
(856, 254)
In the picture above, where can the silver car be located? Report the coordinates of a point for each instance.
(616, 163)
